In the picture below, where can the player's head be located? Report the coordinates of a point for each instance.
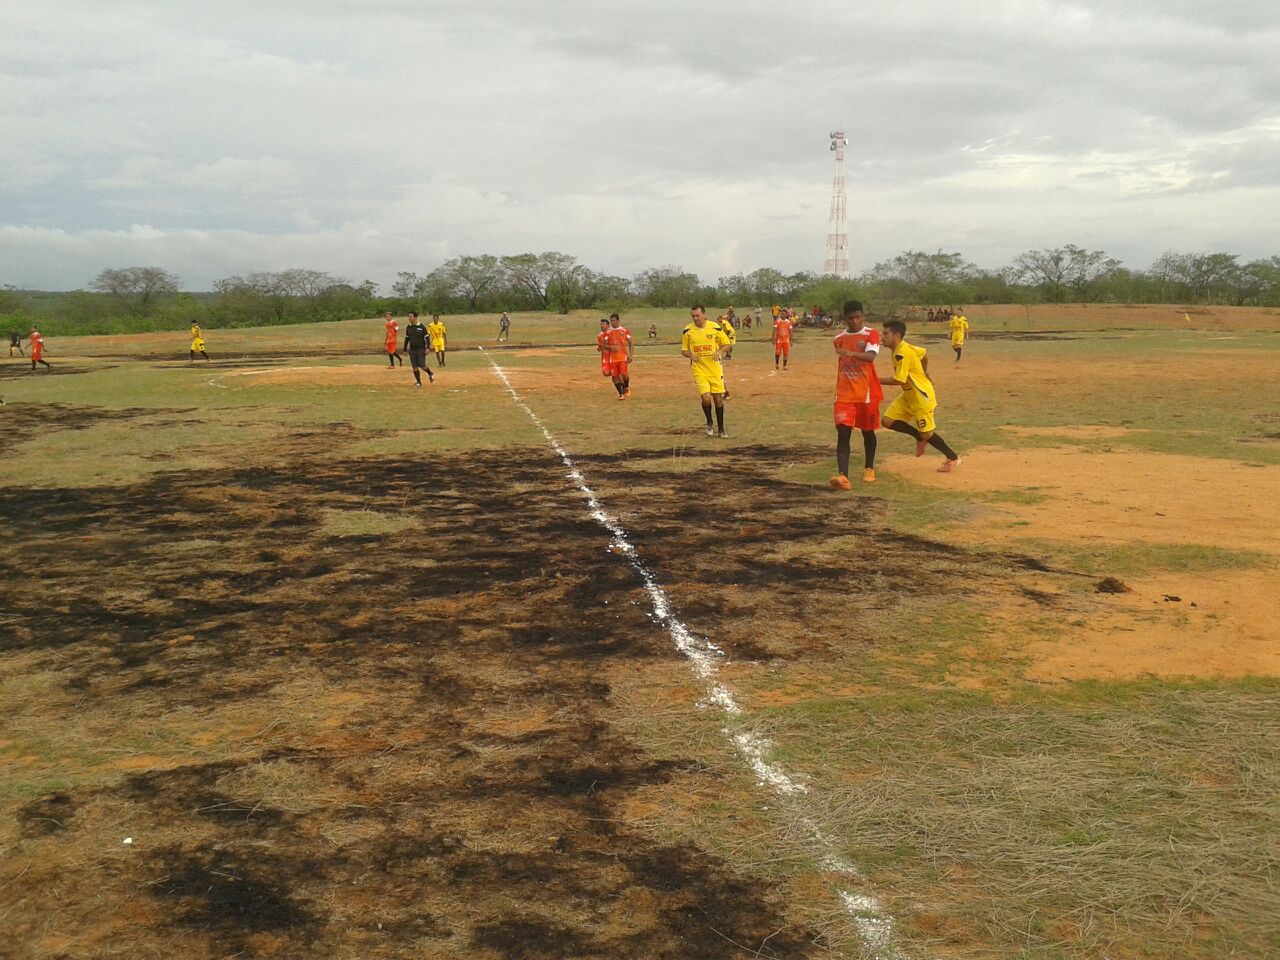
(388, 314)
(894, 332)
(853, 314)
(435, 316)
(698, 314)
(604, 323)
(413, 315)
(615, 320)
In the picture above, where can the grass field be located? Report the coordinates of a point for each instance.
(357, 674)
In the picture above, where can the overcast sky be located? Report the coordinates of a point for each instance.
(369, 137)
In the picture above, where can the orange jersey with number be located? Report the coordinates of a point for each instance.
(393, 332)
(615, 339)
(857, 380)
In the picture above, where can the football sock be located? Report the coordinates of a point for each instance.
(843, 434)
(391, 359)
(626, 384)
(417, 376)
(720, 418)
(617, 385)
(957, 353)
(906, 428)
(706, 411)
(939, 444)
(869, 449)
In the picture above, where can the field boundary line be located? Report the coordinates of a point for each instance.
(874, 926)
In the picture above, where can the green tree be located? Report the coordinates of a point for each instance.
(138, 290)
(668, 286)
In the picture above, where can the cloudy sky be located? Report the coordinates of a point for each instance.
(370, 137)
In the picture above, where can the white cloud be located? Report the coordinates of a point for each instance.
(376, 137)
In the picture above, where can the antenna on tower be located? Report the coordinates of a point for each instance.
(837, 262)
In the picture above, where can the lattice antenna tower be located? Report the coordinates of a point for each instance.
(837, 261)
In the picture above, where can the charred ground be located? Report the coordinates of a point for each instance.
(415, 752)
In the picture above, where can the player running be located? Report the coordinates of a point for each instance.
(782, 326)
(504, 327)
(197, 344)
(392, 338)
(912, 410)
(617, 339)
(858, 393)
(436, 331)
(37, 350)
(702, 342)
(15, 343)
(959, 333)
(415, 344)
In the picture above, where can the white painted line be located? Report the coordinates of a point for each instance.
(873, 925)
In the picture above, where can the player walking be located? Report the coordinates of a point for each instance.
(392, 338)
(15, 343)
(436, 331)
(701, 343)
(37, 350)
(504, 327)
(617, 339)
(782, 326)
(912, 410)
(959, 333)
(415, 344)
(726, 327)
(858, 393)
(602, 346)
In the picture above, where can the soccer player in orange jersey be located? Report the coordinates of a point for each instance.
(602, 346)
(393, 338)
(618, 340)
(37, 350)
(858, 393)
(782, 339)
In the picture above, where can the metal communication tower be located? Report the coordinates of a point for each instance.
(837, 261)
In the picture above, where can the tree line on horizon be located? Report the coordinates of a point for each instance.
(134, 299)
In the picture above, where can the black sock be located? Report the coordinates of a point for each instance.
(843, 434)
(193, 354)
(706, 409)
(903, 427)
(957, 353)
(869, 449)
(626, 384)
(941, 445)
(617, 385)
(203, 354)
(720, 418)
(391, 359)
(417, 377)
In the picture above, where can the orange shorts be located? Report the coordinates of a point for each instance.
(391, 346)
(604, 367)
(617, 368)
(782, 348)
(860, 416)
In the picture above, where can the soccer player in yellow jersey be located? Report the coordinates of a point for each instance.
(197, 343)
(726, 327)
(435, 330)
(912, 410)
(959, 333)
(702, 342)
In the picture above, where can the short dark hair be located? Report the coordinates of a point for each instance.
(414, 314)
(897, 326)
(851, 307)
(604, 319)
(614, 316)
(698, 306)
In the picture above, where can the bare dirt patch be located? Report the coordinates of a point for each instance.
(1120, 496)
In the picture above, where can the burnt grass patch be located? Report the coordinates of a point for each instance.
(461, 797)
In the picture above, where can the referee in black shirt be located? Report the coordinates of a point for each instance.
(415, 344)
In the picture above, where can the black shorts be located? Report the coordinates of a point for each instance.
(418, 356)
